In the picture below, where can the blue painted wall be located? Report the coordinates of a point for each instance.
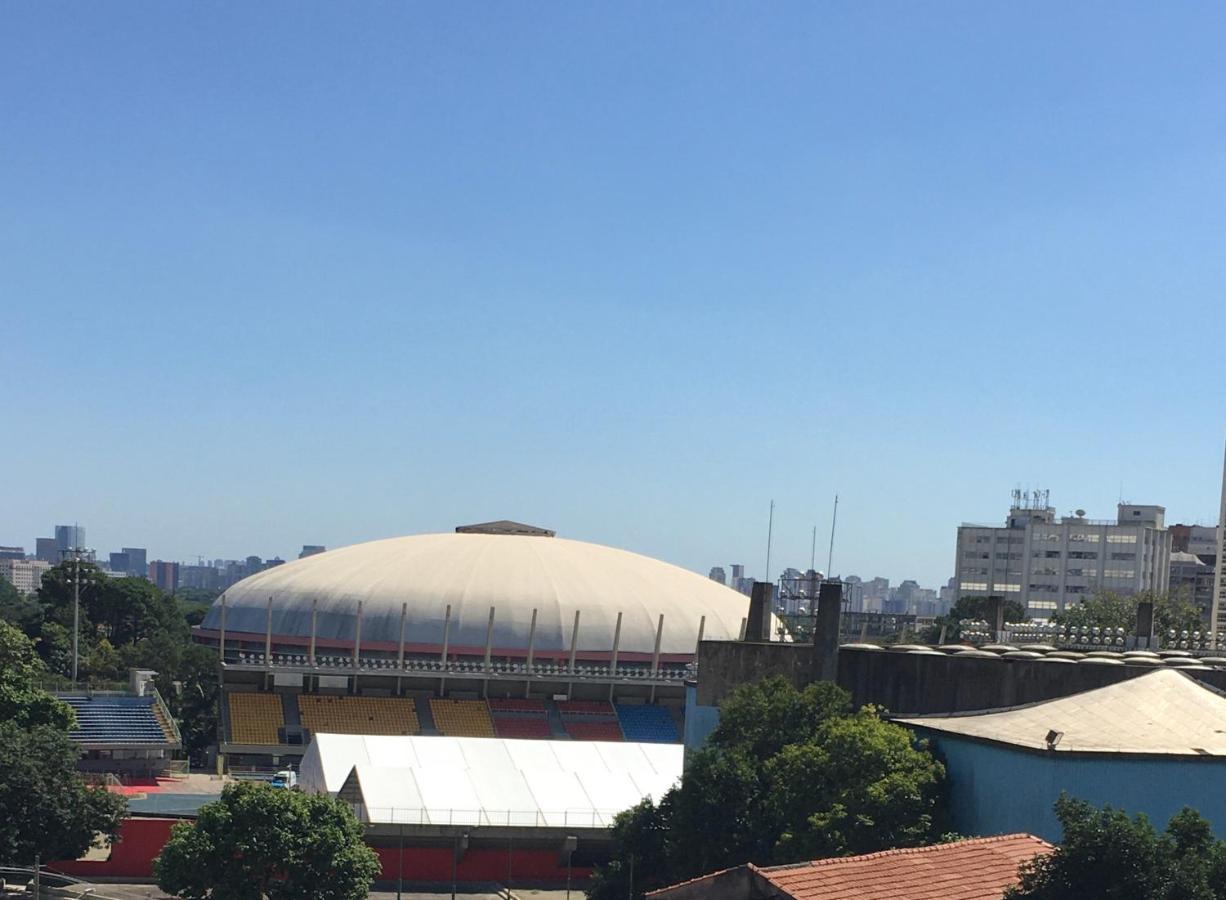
(700, 721)
(996, 790)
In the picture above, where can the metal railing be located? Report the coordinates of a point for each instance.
(325, 663)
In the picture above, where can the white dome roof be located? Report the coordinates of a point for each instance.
(472, 572)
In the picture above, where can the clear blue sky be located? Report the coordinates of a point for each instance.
(273, 274)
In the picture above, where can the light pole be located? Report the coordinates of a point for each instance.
(76, 609)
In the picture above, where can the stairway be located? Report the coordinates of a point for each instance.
(425, 716)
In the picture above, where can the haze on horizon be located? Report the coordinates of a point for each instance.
(306, 273)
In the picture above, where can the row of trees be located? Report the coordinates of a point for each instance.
(787, 775)
(1104, 609)
(47, 812)
(124, 623)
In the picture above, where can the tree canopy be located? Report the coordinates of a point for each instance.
(1106, 609)
(45, 807)
(787, 775)
(1105, 854)
(22, 702)
(969, 609)
(260, 842)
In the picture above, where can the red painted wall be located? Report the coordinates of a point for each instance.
(131, 856)
(142, 839)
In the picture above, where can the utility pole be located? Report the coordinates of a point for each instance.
(76, 607)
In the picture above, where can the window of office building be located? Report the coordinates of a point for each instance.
(1082, 554)
(974, 585)
(1082, 537)
(1121, 539)
(1119, 573)
(1123, 556)
(1042, 605)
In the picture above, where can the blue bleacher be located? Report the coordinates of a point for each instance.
(647, 724)
(116, 720)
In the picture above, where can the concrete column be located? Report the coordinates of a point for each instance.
(574, 642)
(826, 629)
(995, 614)
(531, 642)
(1145, 624)
(489, 639)
(446, 634)
(404, 614)
(221, 646)
(314, 623)
(655, 653)
(760, 601)
(268, 635)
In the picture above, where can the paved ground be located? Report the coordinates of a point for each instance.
(151, 892)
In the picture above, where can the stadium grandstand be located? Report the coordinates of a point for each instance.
(121, 732)
(498, 630)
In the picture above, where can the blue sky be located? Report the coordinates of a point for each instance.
(274, 274)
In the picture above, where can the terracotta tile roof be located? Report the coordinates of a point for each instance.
(976, 869)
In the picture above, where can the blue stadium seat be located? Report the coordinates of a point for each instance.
(116, 720)
(647, 724)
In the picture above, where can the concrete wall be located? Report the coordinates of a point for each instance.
(997, 790)
(905, 683)
(722, 665)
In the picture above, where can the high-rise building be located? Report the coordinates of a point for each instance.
(47, 550)
(67, 538)
(24, 574)
(137, 561)
(1048, 563)
(717, 574)
(120, 563)
(12, 552)
(165, 575)
(311, 550)
(1193, 565)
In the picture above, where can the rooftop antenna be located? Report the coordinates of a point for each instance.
(770, 526)
(813, 551)
(834, 521)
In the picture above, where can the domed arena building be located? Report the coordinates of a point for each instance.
(495, 630)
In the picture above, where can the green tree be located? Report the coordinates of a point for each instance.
(193, 700)
(48, 811)
(969, 609)
(1106, 854)
(103, 662)
(22, 702)
(19, 609)
(787, 775)
(1107, 609)
(259, 842)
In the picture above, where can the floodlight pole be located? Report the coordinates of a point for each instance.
(76, 609)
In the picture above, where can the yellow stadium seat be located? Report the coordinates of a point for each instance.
(255, 718)
(462, 718)
(358, 715)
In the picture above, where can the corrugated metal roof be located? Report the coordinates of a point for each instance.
(1161, 712)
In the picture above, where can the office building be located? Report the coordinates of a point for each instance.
(68, 538)
(24, 574)
(12, 552)
(138, 563)
(165, 575)
(1193, 564)
(717, 574)
(311, 550)
(47, 550)
(1048, 563)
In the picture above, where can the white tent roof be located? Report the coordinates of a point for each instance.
(514, 573)
(489, 781)
(1161, 712)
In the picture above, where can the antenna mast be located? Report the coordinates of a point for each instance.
(770, 526)
(813, 550)
(834, 521)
